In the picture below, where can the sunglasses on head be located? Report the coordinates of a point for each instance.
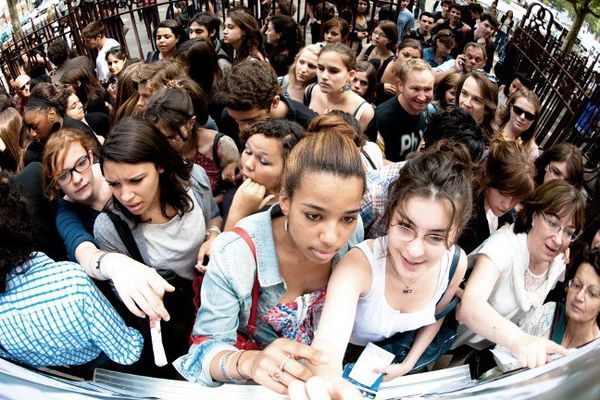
(519, 111)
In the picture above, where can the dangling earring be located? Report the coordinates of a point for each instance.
(346, 87)
(285, 224)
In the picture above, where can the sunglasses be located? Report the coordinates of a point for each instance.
(519, 111)
(24, 86)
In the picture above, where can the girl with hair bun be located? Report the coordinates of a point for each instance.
(399, 282)
(296, 243)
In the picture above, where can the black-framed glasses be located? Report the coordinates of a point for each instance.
(81, 165)
(554, 225)
(578, 286)
(519, 111)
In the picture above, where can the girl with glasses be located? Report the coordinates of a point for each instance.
(574, 323)
(383, 42)
(397, 283)
(518, 120)
(514, 271)
(70, 175)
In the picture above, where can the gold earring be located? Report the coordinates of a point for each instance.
(285, 224)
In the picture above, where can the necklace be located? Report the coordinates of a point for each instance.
(407, 287)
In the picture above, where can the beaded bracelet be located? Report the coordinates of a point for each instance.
(225, 372)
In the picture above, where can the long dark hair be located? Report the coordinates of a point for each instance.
(199, 56)
(252, 40)
(290, 34)
(136, 141)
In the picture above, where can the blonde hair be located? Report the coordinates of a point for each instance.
(11, 133)
(312, 48)
(414, 64)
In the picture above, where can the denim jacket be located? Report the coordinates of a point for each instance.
(226, 294)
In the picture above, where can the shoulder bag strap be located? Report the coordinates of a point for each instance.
(452, 305)
(215, 149)
(369, 160)
(308, 94)
(126, 236)
(251, 326)
(559, 324)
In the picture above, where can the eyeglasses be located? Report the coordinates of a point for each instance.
(81, 165)
(519, 111)
(592, 293)
(555, 226)
(407, 234)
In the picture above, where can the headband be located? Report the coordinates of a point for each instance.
(35, 102)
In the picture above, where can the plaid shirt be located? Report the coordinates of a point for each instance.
(52, 314)
(372, 206)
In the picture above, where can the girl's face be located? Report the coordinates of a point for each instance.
(306, 67)
(362, 6)
(500, 203)
(546, 238)
(333, 35)
(322, 214)
(450, 95)
(115, 65)
(417, 234)
(232, 33)
(583, 296)
(520, 114)
(166, 41)
(262, 161)
(332, 73)
(177, 139)
(596, 239)
(135, 186)
(75, 108)
(556, 170)
(441, 50)
(406, 54)
(74, 176)
(272, 35)
(39, 123)
(379, 38)
(471, 100)
(360, 83)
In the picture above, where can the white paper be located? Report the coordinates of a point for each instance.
(373, 357)
(160, 358)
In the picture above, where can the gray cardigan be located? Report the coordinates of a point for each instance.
(106, 234)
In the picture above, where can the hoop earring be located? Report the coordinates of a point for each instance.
(285, 224)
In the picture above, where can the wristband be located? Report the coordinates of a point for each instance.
(223, 368)
(97, 268)
(213, 229)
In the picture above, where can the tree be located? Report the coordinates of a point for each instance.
(581, 8)
(14, 18)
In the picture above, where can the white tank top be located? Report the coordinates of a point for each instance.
(375, 318)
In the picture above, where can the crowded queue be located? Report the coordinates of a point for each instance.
(273, 207)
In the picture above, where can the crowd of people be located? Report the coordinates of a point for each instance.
(269, 207)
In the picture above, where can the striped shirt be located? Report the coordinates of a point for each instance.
(52, 314)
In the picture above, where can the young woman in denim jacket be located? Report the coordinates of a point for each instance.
(297, 242)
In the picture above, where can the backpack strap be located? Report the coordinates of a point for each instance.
(126, 236)
(454, 302)
(308, 94)
(252, 326)
(369, 160)
(559, 324)
(215, 149)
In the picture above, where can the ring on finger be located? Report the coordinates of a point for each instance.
(285, 360)
(276, 375)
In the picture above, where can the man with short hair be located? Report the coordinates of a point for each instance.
(58, 54)
(483, 34)
(405, 21)
(399, 122)
(423, 32)
(252, 93)
(95, 38)
(153, 76)
(455, 24)
(205, 26)
(474, 57)
(443, 15)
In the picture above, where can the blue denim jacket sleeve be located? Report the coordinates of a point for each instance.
(203, 193)
(225, 296)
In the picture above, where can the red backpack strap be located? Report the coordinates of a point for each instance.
(251, 326)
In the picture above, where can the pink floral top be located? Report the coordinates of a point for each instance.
(298, 319)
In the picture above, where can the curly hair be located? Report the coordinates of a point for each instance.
(136, 141)
(16, 246)
(250, 84)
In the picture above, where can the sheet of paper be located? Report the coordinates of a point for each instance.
(373, 357)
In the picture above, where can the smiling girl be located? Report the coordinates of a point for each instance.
(296, 243)
(398, 282)
(336, 68)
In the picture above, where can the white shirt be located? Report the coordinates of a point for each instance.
(101, 65)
